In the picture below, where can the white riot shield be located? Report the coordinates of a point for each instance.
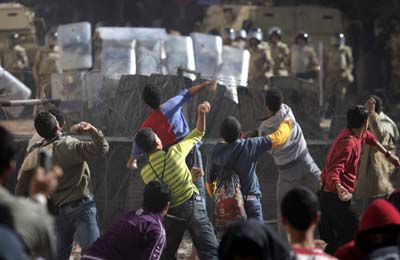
(118, 57)
(207, 53)
(179, 51)
(75, 41)
(150, 50)
(234, 70)
(12, 89)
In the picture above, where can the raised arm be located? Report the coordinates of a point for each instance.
(184, 146)
(200, 87)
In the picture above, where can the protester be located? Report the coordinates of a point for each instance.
(377, 236)
(339, 215)
(168, 122)
(73, 198)
(300, 216)
(374, 173)
(137, 234)
(241, 156)
(252, 240)
(187, 208)
(294, 162)
(32, 222)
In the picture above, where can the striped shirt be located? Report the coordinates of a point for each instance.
(176, 173)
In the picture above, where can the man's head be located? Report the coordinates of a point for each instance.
(6, 154)
(148, 141)
(357, 117)
(152, 96)
(157, 197)
(46, 125)
(299, 209)
(273, 100)
(378, 103)
(230, 129)
(59, 116)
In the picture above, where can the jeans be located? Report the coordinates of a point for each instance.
(253, 208)
(191, 216)
(194, 159)
(339, 220)
(80, 218)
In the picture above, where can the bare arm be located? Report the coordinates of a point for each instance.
(200, 87)
(202, 110)
(391, 157)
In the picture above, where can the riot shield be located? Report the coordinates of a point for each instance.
(179, 50)
(234, 70)
(207, 53)
(75, 41)
(150, 50)
(12, 89)
(118, 57)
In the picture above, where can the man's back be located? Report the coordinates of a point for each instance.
(241, 156)
(72, 155)
(134, 235)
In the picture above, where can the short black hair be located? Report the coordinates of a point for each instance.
(378, 103)
(7, 150)
(146, 139)
(357, 116)
(273, 99)
(59, 116)
(46, 125)
(156, 196)
(152, 96)
(230, 129)
(300, 207)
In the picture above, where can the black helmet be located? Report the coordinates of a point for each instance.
(338, 38)
(275, 31)
(302, 35)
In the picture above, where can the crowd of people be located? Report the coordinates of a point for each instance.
(54, 206)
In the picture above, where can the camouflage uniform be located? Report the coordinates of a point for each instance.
(280, 55)
(261, 62)
(338, 73)
(15, 61)
(47, 62)
(304, 60)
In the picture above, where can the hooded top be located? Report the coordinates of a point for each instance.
(251, 234)
(296, 144)
(378, 214)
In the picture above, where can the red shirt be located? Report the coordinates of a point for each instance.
(342, 161)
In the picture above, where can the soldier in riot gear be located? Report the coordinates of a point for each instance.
(46, 63)
(304, 61)
(228, 36)
(14, 58)
(279, 51)
(240, 39)
(338, 71)
(261, 62)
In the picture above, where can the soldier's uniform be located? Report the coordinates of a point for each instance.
(338, 73)
(280, 55)
(261, 63)
(304, 61)
(47, 62)
(15, 61)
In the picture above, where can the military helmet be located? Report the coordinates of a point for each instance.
(229, 33)
(275, 31)
(339, 37)
(13, 36)
(257, 34)
(302, 35)
(241, 34)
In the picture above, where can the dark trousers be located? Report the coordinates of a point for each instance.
(190, 216)
(339, 220)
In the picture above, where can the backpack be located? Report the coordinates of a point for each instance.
(228, 199)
